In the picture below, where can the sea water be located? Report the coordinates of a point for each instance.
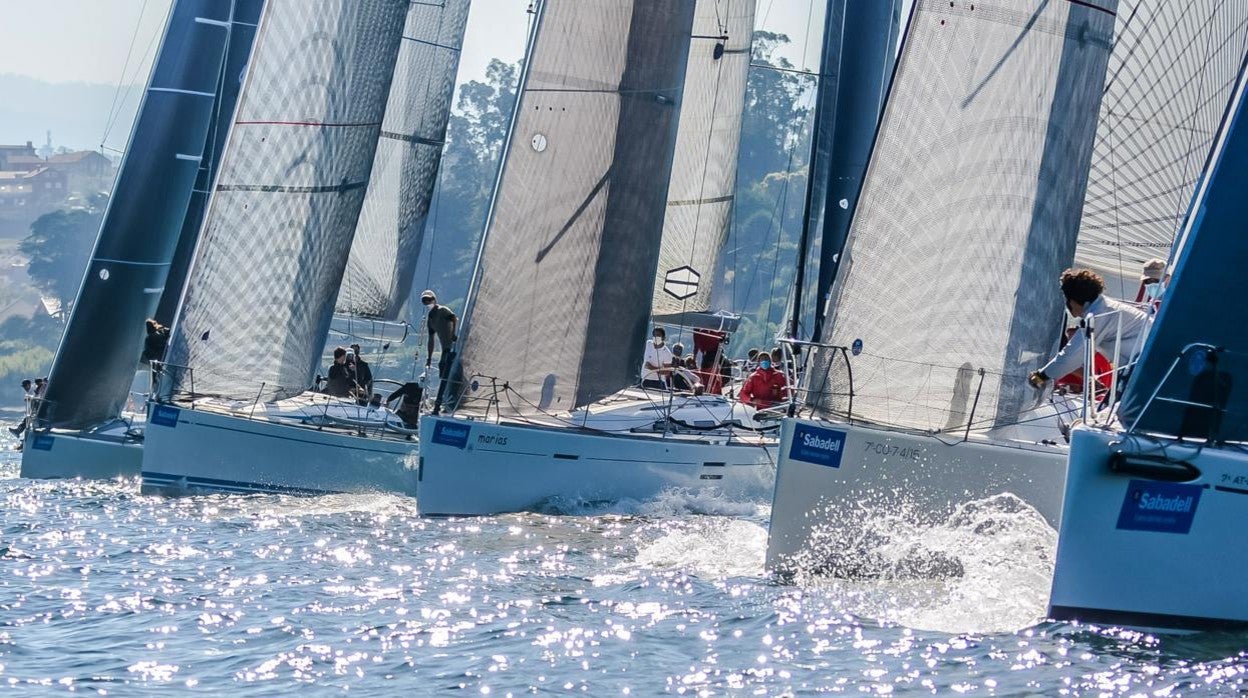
(103, 590)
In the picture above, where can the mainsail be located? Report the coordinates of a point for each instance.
(1171, 75)
(704, 167)
(275, 241)
(969, 211)
(391, 229)
(244, 18)
(562, 288)
(95, 364)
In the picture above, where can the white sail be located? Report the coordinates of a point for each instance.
(561, 292)
(283, 212)
(391, 229)
(704, 167)
(968, 212)
(1171, 75)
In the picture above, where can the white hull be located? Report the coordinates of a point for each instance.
(103, 454)
(830, 470)
(1140, 552)
(480, 468)
(198, 450)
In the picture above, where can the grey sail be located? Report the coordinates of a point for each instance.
(562, 289)
(243, 21)
(391, 229)
(271, 254)
(99, 352)
(1171, 75)
(859, 52)
(704, 167)
(969, 211)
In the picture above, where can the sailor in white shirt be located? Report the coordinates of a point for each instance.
(657, 363)
(1113, 321)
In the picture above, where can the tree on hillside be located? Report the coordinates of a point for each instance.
(475, 135)
(59, 246)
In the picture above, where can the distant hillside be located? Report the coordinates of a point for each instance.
(75, 112)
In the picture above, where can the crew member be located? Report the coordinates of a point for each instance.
(766, 387)
(441, 323)
(657, 364)
(1115, 321)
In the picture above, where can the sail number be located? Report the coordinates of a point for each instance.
(880, 448)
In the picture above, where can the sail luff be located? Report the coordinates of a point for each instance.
(245, 15)
(392, 221)
(567, 267)
(271, 254)
(99, 352)
(704, 168)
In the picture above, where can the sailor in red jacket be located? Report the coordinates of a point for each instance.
(765, 387)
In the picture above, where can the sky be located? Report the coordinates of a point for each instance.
(90, 40)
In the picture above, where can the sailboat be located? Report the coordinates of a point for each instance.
(79, 427)
(234, 410)
(608, 158)
(927, 407)
(1156, 494)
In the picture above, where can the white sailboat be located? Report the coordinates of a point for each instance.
(926, 405)
(1157, 493)
(80, 426)
(234, 411)
(571, 261)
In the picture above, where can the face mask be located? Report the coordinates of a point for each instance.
(764, 364)
(658, 341)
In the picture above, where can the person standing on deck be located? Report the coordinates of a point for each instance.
(1115, 321)
(363, 374)
(442, 323)
(341, 376)
(657, 364)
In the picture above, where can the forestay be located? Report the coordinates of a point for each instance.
(704, 167)
(969, 211)
(391, 229)
(1202, 305)
(1171, 74)
(279, 226)
(99, 352)
(244, 18)
(562, 288)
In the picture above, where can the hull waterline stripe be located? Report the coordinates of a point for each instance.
(1101, 616)
(176, 480)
